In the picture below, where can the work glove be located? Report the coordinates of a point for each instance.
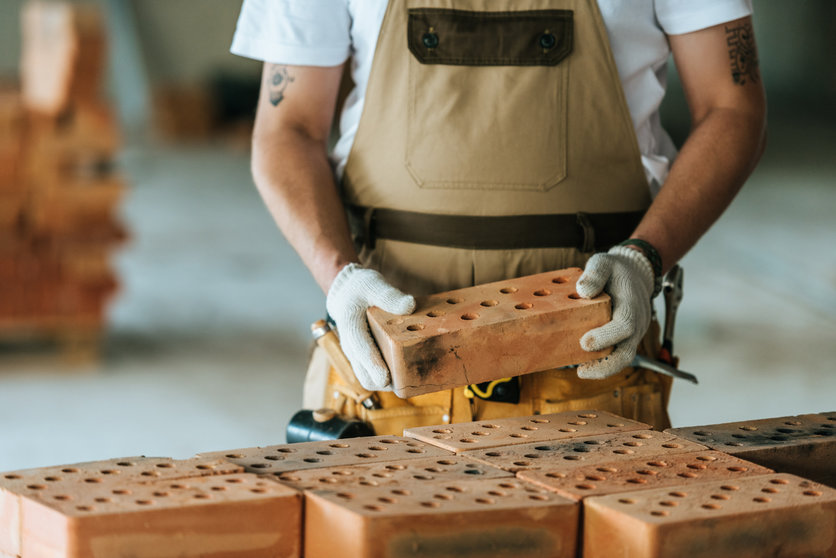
(355, 290)
(627, 276)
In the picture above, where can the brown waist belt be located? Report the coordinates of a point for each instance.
(584, 231)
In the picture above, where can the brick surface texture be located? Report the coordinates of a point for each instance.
(584, 451)
(520, 430)
(803, 445)
(629, 475)
(488, 332)
(485, 518)
(779, 515)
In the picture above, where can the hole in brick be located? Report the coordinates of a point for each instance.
(701, 433)
(101, 500)
(719, 497)
(793, 423)
(762, 499)
(556, 475)
(489, 303)
(472, 472)
(207, 496)
(544, 448)
(218, 488)
(233, 481)
(706, 458)
(485, 501)
(361, 455)
(626, 501)
(659, 513)
(443, 431)
(647, 472)
(433, 469)
(559, 280)
(657, 463)
(642, 436)
(749, 428)
(415, 327)
(585, 486)
(372, 507)
(469, 316)
(737, 469)
(537, 497)
(578, 423)
(607, 469)
(145, 502)
(542, 292)
(769, 490)
(453, 300)
(280, 458)
(84, 508)
(328, 480)
(442, 496)
(234, 455)
(580, 449)
(729, 487)
(521, 463)
(597, 478)
(371, 448)
(401, 492)
(386, 500)
(632, 444)
(531, 455)
(779, 481)
(109, 472)
(169, 466)
(678, 494)
(637, 480)
(488, 425)
(161, 494)
(575, 296)
(518, 435)
(430, 504)
(454, 489)
(69, 470)
(571, 457)
(688, 475)
(523, 306)
(497, 493)
(812, 493)
(733, 444)
(711, 506)
(508, 290)
(786, 430)
(93, 480)
(62, 497)
(121, 491)
(671, 446)
(382, 475)
(623, 451)
(668, 504)
(410, 444)
(493, 454)
(528, 428)
(698, 466)
(435, 314)
(480, 433)
(52, 479)
(593, 442)
(414, 450)
(150, 473)
(267, 465)
(390, 467)
(422, 477)
(507, 485)
(615, 425)
(345, 495)
(291, 450)
(539, 421)
(369, 483)
(120, 464)
(286, 477)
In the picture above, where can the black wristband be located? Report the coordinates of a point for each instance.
(653, 257)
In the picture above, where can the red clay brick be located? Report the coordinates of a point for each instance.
(230, 515)
(46, 482)
(488, 332)
(520, 430)
(328, 453)
(584, 451)
(486, 518)
(428, 471)
(780, 516)
(577, 483)
(803, 445)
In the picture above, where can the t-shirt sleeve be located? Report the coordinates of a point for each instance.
(684, 16)
(295, 32)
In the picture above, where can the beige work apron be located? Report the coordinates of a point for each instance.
(472, 109)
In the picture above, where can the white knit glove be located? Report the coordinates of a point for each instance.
(627, 276)
(354, 290)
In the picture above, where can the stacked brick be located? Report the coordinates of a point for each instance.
(579, 483)
(58, 191)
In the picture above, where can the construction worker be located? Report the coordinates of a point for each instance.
(535, 119)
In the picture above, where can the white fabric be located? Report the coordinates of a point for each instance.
(355, 290)
(326, 32)
(627, 276)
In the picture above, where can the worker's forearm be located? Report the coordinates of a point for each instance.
(715, 161)
(294, 177)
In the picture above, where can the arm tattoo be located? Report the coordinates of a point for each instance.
(742, 53)
(278, 78)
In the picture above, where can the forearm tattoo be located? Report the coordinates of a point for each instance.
(278, 78)
(743, 54)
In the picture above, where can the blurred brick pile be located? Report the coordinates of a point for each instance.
(58, 191)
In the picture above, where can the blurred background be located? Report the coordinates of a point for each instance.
(182, 317)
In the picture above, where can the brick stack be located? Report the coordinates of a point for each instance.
(59, 192)
(576, 483)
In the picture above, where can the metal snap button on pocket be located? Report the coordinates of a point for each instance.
(547, 40)
(430, 40)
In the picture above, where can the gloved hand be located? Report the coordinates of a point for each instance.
(353, 291)
(627, 276)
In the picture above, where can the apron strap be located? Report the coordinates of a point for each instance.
(586, 232)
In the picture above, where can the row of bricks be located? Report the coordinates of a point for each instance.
(410, 498)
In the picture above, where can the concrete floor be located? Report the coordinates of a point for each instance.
(209, 336)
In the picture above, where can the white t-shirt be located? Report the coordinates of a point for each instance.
(327, 32)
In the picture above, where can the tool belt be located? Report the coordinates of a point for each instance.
(586, 232)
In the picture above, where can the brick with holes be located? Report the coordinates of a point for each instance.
(227, 515)
(46, 482)
(778, 515)
(488, 332)
(285, 458)
(428, 471)
(628, 475)
(499, 517)
(584, 451)
(803, 445)
(521, 430)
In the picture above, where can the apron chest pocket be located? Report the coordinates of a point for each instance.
(488, 106)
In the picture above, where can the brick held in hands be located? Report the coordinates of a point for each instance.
(487, 518)
(427, 471)
(803, 445)
(488, 332)
(680, 469)
(280, 459)
(231, 515)
(779, 515)
(603, 448)
(482, 434)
